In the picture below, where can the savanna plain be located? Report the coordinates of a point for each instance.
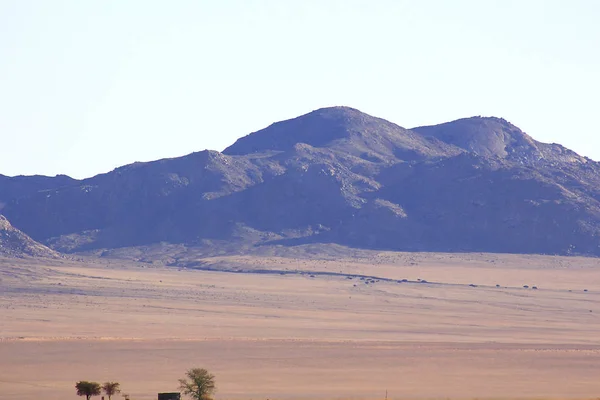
(304, 326)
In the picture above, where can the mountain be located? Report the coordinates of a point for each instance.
(335, 175)
(498, 138)
(345, 131)
(14, 243)
(20, 186)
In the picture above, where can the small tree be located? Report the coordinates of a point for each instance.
(111, 388)
(87, 389)
(199, 385)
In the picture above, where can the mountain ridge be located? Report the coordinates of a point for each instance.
(334, 175)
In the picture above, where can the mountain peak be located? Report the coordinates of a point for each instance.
(342, 129)
(484, 136)
(317, 128)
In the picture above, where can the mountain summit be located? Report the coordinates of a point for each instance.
(488, 137)
(342, 129)
(318, 129)
(334, 175)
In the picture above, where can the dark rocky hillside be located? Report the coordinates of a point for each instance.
(21, 186)
(335, 175)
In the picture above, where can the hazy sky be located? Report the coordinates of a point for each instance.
(86, 86)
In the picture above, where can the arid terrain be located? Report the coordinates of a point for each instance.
(303, 326)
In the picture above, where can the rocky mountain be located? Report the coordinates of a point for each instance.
(14, 243)
(22, 186)
(335, 175)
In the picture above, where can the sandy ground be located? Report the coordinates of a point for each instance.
(305, 329)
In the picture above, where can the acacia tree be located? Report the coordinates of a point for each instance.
(87, 389)
(111, 388)
(199, 385)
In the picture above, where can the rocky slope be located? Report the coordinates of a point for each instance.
(335, 175)
(14, 243)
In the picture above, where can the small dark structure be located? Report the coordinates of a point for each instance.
(169, 396)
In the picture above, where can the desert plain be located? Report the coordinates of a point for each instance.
(304, 326)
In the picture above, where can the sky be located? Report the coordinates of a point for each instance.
(87, 86)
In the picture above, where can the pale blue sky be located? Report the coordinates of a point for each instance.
(86, 86)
